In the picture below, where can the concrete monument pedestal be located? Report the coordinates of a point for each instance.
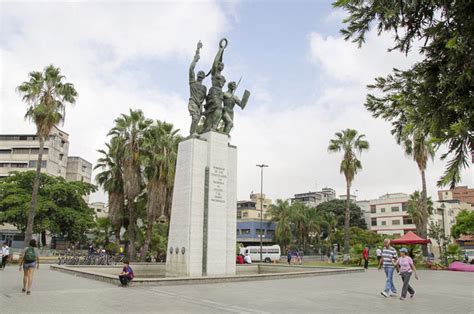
(202, 233)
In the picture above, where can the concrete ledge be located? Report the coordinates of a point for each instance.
(302, 271)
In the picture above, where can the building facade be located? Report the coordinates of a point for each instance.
(313, 199)
(19, 152)
(101, 210)
(460, 193)
(249, 231)
(388, 215)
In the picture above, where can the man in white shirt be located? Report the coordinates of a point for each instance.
(5, 254)
(247, 259)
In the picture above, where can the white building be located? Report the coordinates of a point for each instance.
(388, 214)
(101, 210)
(313, 199)
(19, 152)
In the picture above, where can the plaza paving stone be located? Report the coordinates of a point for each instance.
(55, 292)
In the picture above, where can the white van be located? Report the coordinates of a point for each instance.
(269, 253)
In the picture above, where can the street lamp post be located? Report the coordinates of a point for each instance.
(261, 209)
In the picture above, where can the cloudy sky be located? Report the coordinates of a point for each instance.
(307, 83)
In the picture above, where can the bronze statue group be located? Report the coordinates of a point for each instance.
(218, 109)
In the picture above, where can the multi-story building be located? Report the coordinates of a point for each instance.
(101, 210)
(313, 199)
(388, 215)
(365, 207)
(460, 193)
(19, 152)
(249, 231)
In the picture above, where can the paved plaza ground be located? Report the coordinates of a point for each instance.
(437, 292)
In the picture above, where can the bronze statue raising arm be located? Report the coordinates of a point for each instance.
(192, 76)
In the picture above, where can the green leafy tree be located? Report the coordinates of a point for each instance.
(111, 180)
(435, 94)
(102, 231)
(337, 209)
(464, 224)
(436, 232)
(420, 213)
(60, 206)
(281, 214)
(46, 95)
(160, 150)
(350, 142)
(130, 130)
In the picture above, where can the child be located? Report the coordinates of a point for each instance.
(406, 265)
(127, 274)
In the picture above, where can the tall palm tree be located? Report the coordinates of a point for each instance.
(111, 180)
(419, 212)
(350, 142)
(46, 94)
(131, 128)
(299, 221)
(160, 150)
(281, 214)
(419, 146)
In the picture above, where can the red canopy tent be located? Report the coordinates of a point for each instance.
(410, 238)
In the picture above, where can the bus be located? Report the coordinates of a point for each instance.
(269, 253)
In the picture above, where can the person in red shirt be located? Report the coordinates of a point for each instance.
(365, 256)
(240, 259)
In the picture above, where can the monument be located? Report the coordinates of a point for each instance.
(202, 235)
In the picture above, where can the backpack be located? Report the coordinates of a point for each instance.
(30, 255)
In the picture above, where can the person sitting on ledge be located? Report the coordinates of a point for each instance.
(127, 274)
(247, 259)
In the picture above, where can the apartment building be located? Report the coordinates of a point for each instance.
(249, 230)
(101, 210)
(388, 214)
(19, 152)
(313, 199)
(460, 193)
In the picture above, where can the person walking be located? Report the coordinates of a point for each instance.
(5, 255)
(406, 266)
(29, 259)
(289, 257)
(388, 256)
(365, 256)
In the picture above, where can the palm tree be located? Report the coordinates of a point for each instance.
(130, 129)
(46, 94)
(419, 146)
(419, 212)
(281, 214)
(349, 142)
(299, 221)
(111, 180)
(160, 150)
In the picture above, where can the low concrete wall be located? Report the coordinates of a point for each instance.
(102, 274)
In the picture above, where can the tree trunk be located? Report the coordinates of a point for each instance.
(131, 231)
(146, 244)
(34, 196)
(425, 215)
(43, 238)
(347, 218)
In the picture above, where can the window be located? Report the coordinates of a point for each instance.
(373, 221)
(404, 207)
(245, 231)
(407, 220)
(382, 210)
(33, 163)
(396, 235)
(373, 209)
(84, 168)
(4, 165)
(61, 156)
(395, 209)
(18, 165)
(396, 222)
(271, 233)
(21, 151)
(260, 231)
(384, 223)
(253, 251)
(5, 151)
(245, 214)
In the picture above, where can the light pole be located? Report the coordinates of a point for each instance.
(261, 209)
